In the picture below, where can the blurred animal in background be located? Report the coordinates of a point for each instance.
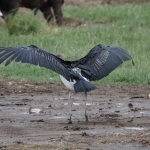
(46, 7)
(49, 8)
(9, 6)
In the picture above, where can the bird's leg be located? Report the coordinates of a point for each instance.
(86, 117)
(70, 121)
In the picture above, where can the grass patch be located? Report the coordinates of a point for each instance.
(23, 24)
(126, 26)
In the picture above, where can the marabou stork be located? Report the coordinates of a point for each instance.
(98, 63)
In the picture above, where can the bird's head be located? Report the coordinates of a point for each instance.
(58, 55)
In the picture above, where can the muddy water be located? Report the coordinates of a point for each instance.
(33, 114)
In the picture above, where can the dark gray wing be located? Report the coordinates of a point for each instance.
(100, 61)
(36, 56)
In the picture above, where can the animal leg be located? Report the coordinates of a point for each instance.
(70, 121)
(58, 13)
(47, 13)
(86, 116)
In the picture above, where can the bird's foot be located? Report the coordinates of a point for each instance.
(86, 118)
(70, 122)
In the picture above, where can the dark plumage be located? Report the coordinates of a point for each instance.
(98, 63)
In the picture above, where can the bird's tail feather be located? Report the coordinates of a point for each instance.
(83, 86)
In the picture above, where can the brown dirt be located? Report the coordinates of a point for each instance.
(35, 116)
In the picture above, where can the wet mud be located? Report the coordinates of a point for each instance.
(35, 116)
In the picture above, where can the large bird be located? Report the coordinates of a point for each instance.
(98, 63)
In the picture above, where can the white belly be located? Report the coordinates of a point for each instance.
(68, 84)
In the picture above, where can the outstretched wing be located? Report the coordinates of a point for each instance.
(100, 61)
(36, 56)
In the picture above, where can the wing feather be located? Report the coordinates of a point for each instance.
(34, 55)
(101, 61)
(98, 63)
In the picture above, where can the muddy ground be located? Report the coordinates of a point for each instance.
(35, 116)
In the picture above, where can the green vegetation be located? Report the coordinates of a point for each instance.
(23, 24)
(126, 26)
